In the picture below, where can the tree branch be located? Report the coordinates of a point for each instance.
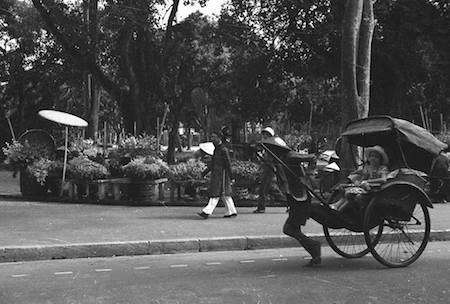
(82, 60)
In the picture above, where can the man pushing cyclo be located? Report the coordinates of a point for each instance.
(291, 177)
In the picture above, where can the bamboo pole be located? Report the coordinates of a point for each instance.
(422, 116)
(426, 120)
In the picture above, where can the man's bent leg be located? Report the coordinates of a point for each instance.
(313, 247)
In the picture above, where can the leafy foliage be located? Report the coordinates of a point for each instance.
(245, 171)
(43, 168)
(189, 170)
(19, 155)
(146, 168)
(85, 169)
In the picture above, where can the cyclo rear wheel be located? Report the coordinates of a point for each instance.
(404, 238)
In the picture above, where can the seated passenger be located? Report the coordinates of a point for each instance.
(374, 171)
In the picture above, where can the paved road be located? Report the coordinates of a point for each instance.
(265, 276)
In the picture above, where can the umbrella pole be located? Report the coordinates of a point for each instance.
(65, 161)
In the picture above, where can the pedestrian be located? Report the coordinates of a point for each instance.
(220, 181)
(270, 169)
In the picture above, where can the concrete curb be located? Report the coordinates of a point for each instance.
(90, 250)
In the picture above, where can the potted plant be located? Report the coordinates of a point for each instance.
(186, 171)
(84, 173)
(47, 173)
(145, 174)
(246, 174)
(83, 169)
(19, 156)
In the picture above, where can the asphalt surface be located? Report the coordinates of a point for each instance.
(31, 230)
(259, 276)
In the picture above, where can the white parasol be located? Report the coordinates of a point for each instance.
(67, 120)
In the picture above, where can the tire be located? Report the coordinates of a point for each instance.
(350, 244)
(403, 240)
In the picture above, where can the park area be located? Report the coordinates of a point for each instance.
(152, 80)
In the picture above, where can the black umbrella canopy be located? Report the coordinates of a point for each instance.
(276, 145)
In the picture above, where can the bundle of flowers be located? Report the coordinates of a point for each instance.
(86, 147)
(19, 156)
(83, 168)
(189, 170)
(44, 167)
(245, 171)
(146, 168)
(141, 145)
(297, 141)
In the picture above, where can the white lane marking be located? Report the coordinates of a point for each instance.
(103, 270)
(247, 261)
(142, 267)
(279, 259)
(213, 263)
(20, 275)
(17, 263)
(63, 272)
(268, 276)
(178, 265)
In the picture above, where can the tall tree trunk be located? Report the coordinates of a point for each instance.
(92, 104)
(357, 32)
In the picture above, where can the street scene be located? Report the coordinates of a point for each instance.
(224, 151)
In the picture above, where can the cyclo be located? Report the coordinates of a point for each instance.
(393, 223)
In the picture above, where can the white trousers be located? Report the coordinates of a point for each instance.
(231, 209)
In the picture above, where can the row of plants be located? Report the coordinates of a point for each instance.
(135, 158)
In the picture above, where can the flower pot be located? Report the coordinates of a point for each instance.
(29, 187)
(142, 191)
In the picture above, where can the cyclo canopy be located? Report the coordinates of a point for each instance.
(405, 143)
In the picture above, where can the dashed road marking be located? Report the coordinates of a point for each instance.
(178, 266)
(63, 272)
(20, 275)
(247, 261)
(213, 263)
(279, 259)
(103, 270)
(142, 267)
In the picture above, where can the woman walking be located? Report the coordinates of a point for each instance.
(220, 183)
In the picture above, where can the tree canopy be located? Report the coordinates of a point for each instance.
(259, 61)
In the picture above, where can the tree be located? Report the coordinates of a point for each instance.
(33, 73)
(357, 33)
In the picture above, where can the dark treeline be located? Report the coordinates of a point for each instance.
(121, 62)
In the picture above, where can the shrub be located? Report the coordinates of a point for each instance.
(141, 145)
(42, 168)
(86, 148)
(245, 171)
(190, 170)
(297, 141)
(19, 156)
(82, 167)
(146, 168)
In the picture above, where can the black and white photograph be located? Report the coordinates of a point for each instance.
(224, 151)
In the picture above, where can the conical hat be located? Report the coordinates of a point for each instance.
(207, 147)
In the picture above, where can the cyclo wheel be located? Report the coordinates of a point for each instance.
(404, 238)
(350, 244)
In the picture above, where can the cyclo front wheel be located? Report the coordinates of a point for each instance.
(405, 233)
(350, 244)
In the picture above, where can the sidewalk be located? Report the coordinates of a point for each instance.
(46, 230)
